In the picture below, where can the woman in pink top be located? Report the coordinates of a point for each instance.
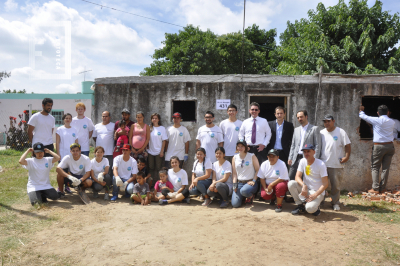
(139, 136)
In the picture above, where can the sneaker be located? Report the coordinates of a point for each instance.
(187, 200)
(114, 198)
(278, 208)
(206, 202)
(318, 212)
(106, 196)
(224, 204)
(299, 209)
(95, 194)
(163, 202)
(61, 195)
(336, 207)
(66, 189)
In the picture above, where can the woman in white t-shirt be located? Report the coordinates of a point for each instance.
(158, 137)
(99, 173)
(39, 187)
(201, 176)
(245, 167)
(222, 184)
(179, 179)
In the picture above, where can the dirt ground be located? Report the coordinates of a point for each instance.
(122, 233)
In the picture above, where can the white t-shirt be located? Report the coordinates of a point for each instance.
(273, 172)
(43, 131)
(67, 137)
(83, 127)
(317, 171)
(220, 171)
(333, 146)
(157, 136)
(99, 167)
(125, 169)
(178, 179)
(39, 173)
(177, 138)
(105, 137)
(200, 169)
(79, 167)
(231, 135)
(245, 170)
(209, 139)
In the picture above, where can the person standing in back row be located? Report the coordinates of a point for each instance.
(209, 137)
(103, 135)
(41, 126)
(230, 128)
(256, 132)
(84, 126)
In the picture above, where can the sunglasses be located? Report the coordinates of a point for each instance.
(254, 109)
(241, 165)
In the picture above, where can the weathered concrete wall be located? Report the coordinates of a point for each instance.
(340, 96)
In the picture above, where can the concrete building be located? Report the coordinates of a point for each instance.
(339, 95)
(14, 104)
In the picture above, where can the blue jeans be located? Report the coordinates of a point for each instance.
(85, 153)
(129, 187)
(243, 191)
(201, 187)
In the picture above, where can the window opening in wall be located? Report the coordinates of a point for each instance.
(268, 105)
(186, 108)
(58, 114)
(371, 104)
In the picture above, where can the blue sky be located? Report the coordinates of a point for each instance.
(111, 43)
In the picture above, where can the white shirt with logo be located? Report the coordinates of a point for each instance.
(177, 138)
(67, 137)
(209, 139)
(99, 167)
(333, 146)
(231, 135)
(220, 171)
(125, 169)
(313, 180)
(178, 179)
(43, 131)
(273, 172)
(105, 137)
(78, 167)
(39, 173)
(200, 168)
(244, 167)
(157, 136)
(83, 127)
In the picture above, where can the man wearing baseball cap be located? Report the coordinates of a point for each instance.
(177, 142)
(308, 193)
(335, 151)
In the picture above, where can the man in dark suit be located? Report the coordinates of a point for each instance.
(282, 133)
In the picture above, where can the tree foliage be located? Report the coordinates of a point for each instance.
(4, 75)
(14, 91)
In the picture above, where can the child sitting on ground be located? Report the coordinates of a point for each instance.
(142, 168)
(123, 139)
(162, 186)
(141, 192)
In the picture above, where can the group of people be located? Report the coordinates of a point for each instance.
(234, 162)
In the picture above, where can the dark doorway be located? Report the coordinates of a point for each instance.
(186, 108)
(268, 105)
(371, 104)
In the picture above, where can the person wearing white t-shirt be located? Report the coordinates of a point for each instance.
(125, 169)
(74, 170)
(158, 139)
(179, 179)
(41, 126)
(274, 176)
(65, 136)
(39, 187)
(100, 173)
(311, 181)
(103, 135)
(245, 167)
(209, 136)
(222, 185)
(178, 142)
(230, 129)
(335, 152)
(201, 176)
(84, 126)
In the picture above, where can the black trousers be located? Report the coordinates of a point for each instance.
(283, 157)
(261, 155)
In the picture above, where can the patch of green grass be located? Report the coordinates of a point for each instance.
(11, 152)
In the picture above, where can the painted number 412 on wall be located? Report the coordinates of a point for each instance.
(222, 104)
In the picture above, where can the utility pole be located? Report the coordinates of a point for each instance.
(84, 73)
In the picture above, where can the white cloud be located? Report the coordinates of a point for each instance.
(10, 5)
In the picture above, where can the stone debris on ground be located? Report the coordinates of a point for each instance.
(392, 196)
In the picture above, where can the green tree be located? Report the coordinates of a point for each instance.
(342, 38)
(14, 91)
(196, 52)
(4, 75)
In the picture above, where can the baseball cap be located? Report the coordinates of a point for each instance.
(308, 147)
(126, 110)
(177, 115)
(38, 147)
(241, 141)
(126, 147)
(328, 117)
(273, 152)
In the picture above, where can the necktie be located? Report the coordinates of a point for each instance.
(253, 132)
